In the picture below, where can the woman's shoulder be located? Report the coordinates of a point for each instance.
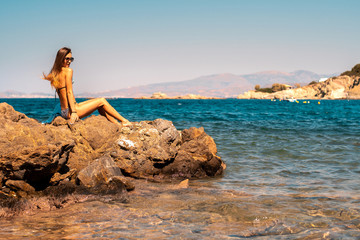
(66, 70)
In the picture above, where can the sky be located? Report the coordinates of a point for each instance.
(126, 43)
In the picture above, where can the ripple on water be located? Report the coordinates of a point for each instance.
(158, 211)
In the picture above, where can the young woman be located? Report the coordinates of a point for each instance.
(60, 78)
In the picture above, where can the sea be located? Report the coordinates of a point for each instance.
(293, 172)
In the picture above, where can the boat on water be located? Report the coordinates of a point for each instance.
(290, 100)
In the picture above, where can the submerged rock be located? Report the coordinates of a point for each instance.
(93, 152)
(103, 173)
(98, 172)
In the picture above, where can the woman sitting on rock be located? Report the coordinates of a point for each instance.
(60, 78)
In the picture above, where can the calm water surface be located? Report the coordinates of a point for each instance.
(292, 173)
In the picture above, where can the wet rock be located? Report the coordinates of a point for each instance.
(183, 184)
(113, 186)
(129, 186)
(99, 172)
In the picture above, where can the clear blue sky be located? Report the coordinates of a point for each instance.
(124, 43)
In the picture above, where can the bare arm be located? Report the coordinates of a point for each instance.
(70, 95)
(69, 89)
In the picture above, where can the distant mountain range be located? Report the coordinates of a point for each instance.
(217, 85)
(17, 94)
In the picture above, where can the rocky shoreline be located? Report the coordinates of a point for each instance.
(50, 166)
(160, 95)
(341, 87)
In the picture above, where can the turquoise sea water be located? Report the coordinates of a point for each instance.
(299, 164)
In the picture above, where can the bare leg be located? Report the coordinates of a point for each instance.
(86, 108)
(109, 117)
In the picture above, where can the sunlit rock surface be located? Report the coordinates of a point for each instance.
(95, 152)
(342, 87)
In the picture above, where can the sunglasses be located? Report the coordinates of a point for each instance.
(69, 59)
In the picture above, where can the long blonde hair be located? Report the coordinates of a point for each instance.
(56, 69)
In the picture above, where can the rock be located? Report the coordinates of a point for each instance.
(7, 112)
(99, 171)
(113, 186)
(196, 156)
(183, 184)
(96, 132)
(194, 96)
(160, 151)
(20, 185)
(58, 177)
(30, 151)
(128, 184)
(126, 144)
(144, 151)
(1, 177)
(340, 87)
(159, 95)
(59, 121)
(48, 155)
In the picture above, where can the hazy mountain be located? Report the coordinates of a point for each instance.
(217, 85)
(17, 94)
(266, 79)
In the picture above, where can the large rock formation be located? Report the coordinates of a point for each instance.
(342, 87)
(34, 156)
